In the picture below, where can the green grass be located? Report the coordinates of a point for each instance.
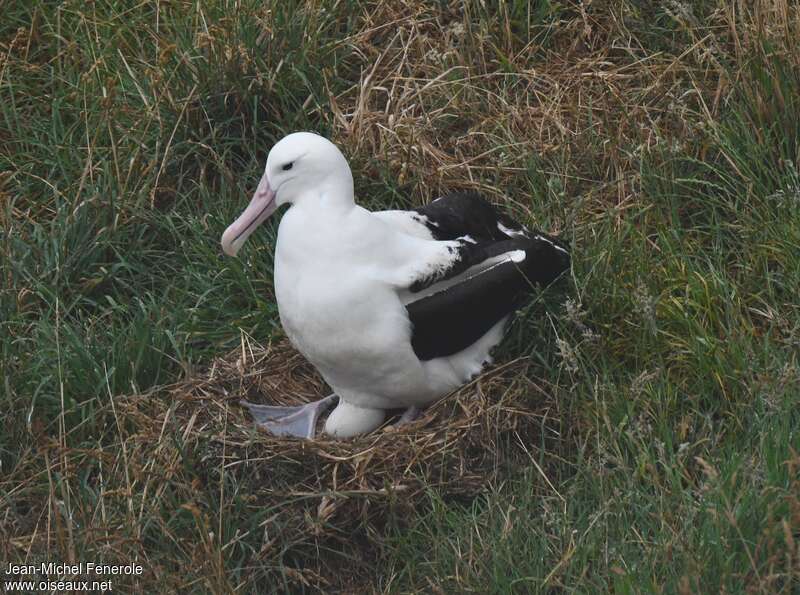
(663, 143)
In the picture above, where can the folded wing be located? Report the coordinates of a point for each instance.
(496, 265)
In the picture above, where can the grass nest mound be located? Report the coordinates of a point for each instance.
(325, 499)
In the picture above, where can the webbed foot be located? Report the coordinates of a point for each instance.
(299, 421)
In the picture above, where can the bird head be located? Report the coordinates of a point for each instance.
(302, 167)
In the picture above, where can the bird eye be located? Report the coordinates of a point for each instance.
(288, 166)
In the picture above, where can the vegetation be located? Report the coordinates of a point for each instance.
(661, 140)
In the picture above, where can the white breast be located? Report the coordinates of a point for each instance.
(347, 321)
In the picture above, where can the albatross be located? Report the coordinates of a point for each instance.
(396, 309)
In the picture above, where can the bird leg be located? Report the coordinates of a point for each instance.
(299, 421)
(409, 415)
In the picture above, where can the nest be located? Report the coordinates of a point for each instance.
(326, 496)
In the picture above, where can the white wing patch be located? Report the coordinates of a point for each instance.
(552, 243)
(516, 256)
(407, 222)
(436, 266)
(512, 233)
(424, 219)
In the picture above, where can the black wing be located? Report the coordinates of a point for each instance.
(451, 320)
(461, 214)
(467, 255)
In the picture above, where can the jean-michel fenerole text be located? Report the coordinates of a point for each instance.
(81, 568)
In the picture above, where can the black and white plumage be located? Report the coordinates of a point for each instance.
(395, 308)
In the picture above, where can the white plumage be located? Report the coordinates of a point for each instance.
(346, 279)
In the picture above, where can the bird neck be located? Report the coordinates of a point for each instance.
(336, 190)
(328, 200)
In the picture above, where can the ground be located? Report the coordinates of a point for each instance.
(640, 433)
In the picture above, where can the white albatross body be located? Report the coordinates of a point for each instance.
(340, 278)
(352, 286)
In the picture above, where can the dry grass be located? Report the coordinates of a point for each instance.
(563, 121)
(445, 103)
(315, 496)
